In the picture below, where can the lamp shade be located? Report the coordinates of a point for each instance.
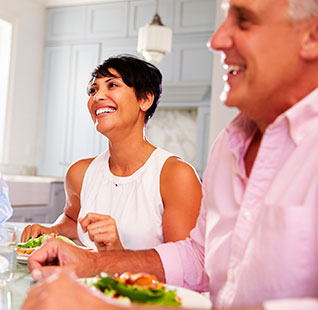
(154, 41)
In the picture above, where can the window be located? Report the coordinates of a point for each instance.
(5, 53)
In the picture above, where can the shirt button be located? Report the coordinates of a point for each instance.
(231, 276)
(298, 137)
(248, 215)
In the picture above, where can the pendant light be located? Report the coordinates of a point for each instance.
(154, 39)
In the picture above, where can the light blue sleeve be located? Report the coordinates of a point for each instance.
(5, 207)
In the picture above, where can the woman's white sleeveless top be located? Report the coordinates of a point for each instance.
(134, 201)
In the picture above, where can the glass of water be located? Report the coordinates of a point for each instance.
(8, 253)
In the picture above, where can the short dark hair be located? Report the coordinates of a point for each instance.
(144, 77)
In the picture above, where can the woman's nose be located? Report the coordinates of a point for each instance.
(99, 95)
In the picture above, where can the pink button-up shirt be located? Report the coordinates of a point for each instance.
(256, 238)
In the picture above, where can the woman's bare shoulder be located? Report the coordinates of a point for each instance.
(79, 166)
(75, 173)
(175, 167)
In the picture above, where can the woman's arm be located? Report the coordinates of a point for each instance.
(180, 190)
(66, 222)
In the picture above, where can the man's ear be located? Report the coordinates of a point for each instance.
(309, 49)
(146, 103)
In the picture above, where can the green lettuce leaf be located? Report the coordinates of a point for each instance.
(32, 243)
(137, 293)
(35, 242)
(65, 239)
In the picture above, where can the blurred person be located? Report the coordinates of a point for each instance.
(134, 195)
(255, 241)
(5, 207)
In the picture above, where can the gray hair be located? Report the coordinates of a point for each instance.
(303, 9)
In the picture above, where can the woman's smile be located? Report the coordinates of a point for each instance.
(103, 111)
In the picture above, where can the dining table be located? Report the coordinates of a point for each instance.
(14, 292)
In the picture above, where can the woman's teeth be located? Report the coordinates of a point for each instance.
(104, 110)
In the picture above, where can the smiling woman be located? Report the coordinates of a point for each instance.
(134, 195)
(5, 52)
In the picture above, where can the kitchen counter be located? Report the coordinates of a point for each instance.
(31, 178)
(35, 198)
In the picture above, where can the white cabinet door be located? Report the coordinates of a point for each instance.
(68, 133)
(55, 102)
(194, 16)
(82, 138)
(29, 214)
(142, 11)
(66, 23)
(57, 200)
(107, 20)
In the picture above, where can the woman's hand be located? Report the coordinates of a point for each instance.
(34, 231)
(102, 230)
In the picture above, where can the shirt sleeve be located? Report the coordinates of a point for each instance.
(5, 207)
(183, 261)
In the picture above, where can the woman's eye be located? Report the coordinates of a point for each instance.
(111, 85)
(92, 91)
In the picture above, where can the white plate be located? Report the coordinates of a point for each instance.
(189, 298)
(22, 258)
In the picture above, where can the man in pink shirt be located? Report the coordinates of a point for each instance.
(256, 238)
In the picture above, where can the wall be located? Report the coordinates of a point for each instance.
(25, 83)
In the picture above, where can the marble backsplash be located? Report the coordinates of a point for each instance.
(175, 130)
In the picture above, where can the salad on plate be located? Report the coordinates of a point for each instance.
(139, 288)
(27, 248)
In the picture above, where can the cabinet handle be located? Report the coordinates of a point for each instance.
(28, 219)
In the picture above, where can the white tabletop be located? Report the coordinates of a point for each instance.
(13, 294)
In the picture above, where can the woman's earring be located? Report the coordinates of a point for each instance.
(144, 107)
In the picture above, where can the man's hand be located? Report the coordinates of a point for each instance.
(62, 291)
(102, 230)
(54, 253)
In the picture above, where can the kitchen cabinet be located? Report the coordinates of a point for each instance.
(142, 11)
(66, 23)
(68, 133)
(122, 19)
(107, 20)
(35, 199)
(35, 214)
(194, 16)
(54, 120)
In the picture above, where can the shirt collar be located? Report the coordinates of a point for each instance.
(302, 118)
(240, 132)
